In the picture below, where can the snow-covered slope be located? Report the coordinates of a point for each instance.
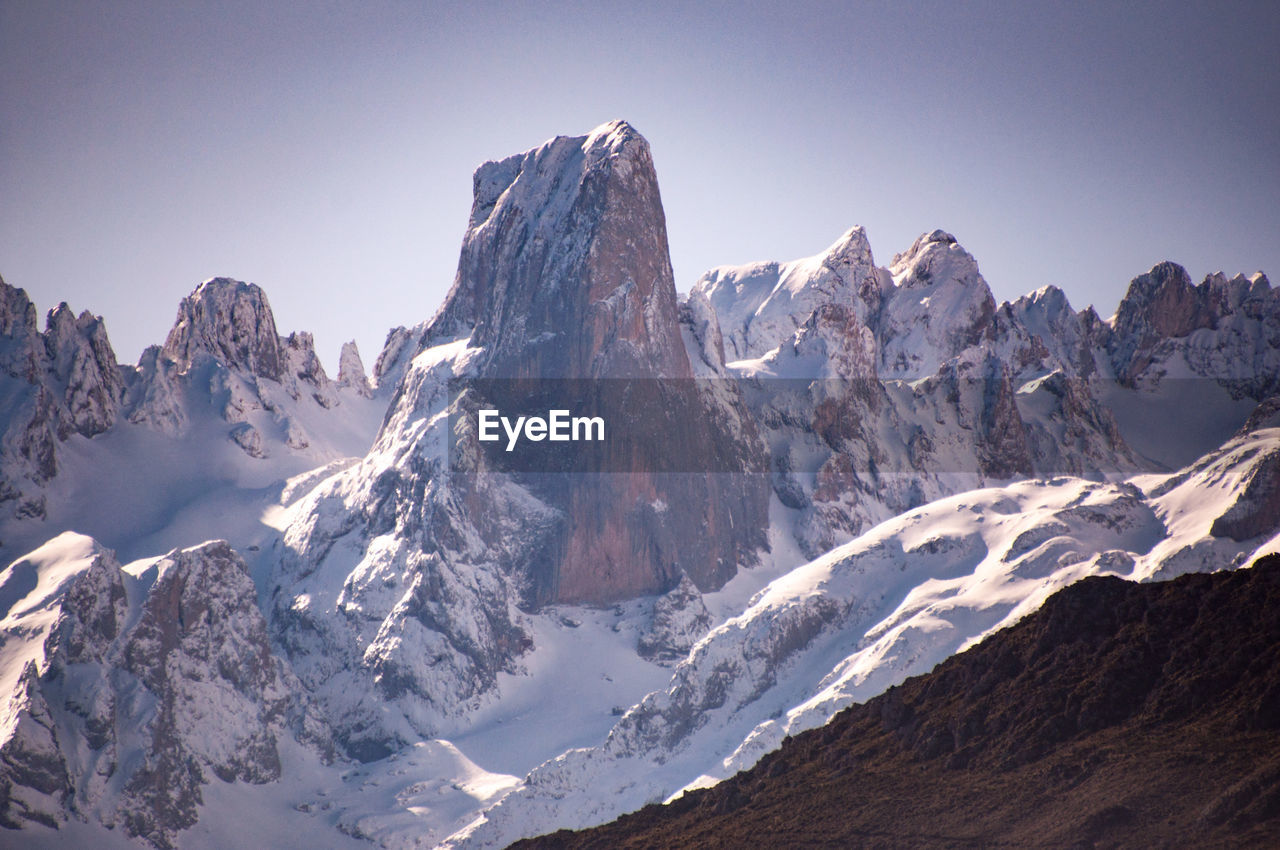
(891, 604)
(763, 304)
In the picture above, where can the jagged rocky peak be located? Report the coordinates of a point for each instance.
(300, 363)
(940, 305)
(564, 273)
(925, 248)
(1048, 302)
(72, 360)
(231, 321)
(17, 313)
(61, 382)
(1040, 332)
(1251, 295)
(565, 269)
(84, 365)
(761, 305)
(21, 348)
(147, 683)
(1045, 313)
(1160, 305)
(1164, 303)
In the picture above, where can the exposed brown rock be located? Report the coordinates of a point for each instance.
(565, 273)
(1119, 715)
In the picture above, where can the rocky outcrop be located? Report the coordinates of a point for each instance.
(400, 346)
(1256, 510)
(61, 382)
(33, 773)
(230, 321)
(680, 618)
(148, 685)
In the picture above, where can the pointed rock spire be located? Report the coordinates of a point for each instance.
(351, 374)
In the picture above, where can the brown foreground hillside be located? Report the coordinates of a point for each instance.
(1118, 715)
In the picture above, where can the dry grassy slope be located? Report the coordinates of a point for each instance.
(1120, 714)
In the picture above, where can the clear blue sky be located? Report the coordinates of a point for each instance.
(325, 150)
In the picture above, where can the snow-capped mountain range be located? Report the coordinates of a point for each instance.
(243, 595)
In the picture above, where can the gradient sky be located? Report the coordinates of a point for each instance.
(325, 150)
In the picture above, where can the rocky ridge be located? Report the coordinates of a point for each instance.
(879, 389)
(270, 392)
(58, 382)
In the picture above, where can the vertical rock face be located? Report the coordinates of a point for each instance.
(1164, 303)
(565, 270)
(231, 321)
(565, 273)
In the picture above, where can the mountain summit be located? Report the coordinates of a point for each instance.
(564, 275)
(565, 270)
